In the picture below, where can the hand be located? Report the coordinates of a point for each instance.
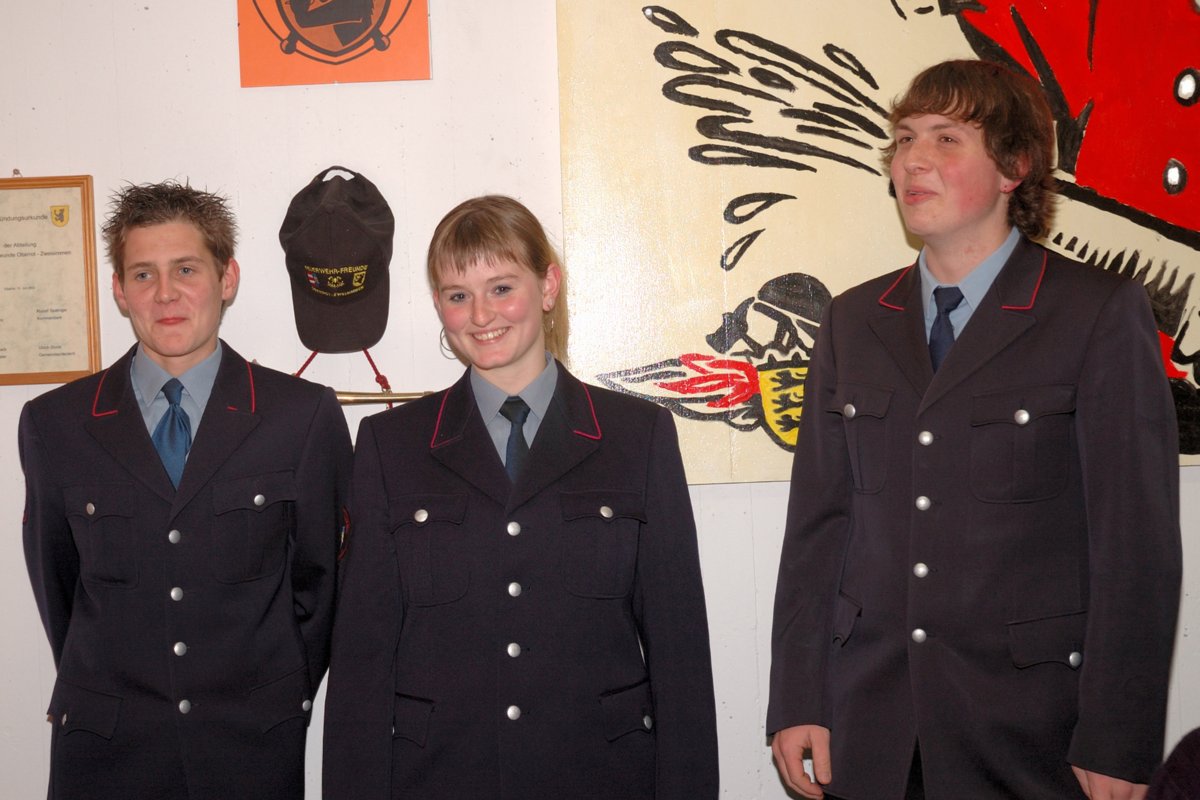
(788, 746)
(1104, 787)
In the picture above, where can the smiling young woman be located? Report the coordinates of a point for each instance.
(522, 613)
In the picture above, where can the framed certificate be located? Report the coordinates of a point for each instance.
(49, 330)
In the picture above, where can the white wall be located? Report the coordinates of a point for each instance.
(141, 90)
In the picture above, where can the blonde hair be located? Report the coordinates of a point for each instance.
(494, 228)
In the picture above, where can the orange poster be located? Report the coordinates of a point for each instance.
(290, 42)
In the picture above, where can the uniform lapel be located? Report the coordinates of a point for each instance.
(900, 327)
(1005, 313)
(116, 423)
(461, 442)
(229, 417)
(569, 434)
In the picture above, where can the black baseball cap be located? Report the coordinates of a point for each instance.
(337, 242)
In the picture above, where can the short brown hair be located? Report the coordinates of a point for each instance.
(491, 228)
(1017, 124)
(138, 206)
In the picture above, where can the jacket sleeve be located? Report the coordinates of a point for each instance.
(50, 552)
(814, 547)
(360, 698)
(323, 477)
(670, 609)
(1129, 453)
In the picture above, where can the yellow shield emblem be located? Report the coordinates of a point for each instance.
(60, 215)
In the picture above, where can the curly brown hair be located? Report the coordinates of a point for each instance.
(494, 227)
(140, 205)
(1017, 124)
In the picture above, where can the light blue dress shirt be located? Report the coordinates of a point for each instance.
(973, 287)
(537, 395)
(148, 378)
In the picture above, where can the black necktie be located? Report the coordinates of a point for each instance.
(173, 436)
(515, 410)
(941, 336)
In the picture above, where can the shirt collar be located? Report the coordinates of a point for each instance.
(148, 377)
(537, 395)
(977, 282)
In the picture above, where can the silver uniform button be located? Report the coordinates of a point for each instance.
(306, 705)
(259, 500)
(514, 649)
(185, 706)
(90, 508)
(514, 589)
(606, 512)
(923, 503)
(174, 536)
(1021, 417)
(925, 438)
(1075, 659)
(848, 411)
(420, 515)
(176, 594)
(514, 529)
(919, 635)
(647, 722)
(514, 712)
(920, 569)
(180, 648)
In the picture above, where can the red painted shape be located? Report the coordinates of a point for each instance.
(738, 377)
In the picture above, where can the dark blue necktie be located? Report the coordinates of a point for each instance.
(173, 436)
(941, 335)
(515, 410)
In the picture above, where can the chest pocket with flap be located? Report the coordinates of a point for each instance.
(431, 547)
(600, 541)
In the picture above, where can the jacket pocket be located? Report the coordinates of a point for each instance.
(864, 411)
(600, 541)
(1022, 441)
(1056, 639)
(253, 519)
(627, 710)
(74, 708)
(431, 547)
(281, 699)
(845, 616)
(101, 520)
(410, 718)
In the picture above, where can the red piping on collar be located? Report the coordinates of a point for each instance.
(895, 283)
(596, 436)
(437, 426)
(253, 396)
(1037, 286)
(96, 399)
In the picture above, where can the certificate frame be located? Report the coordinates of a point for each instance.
(49, 317)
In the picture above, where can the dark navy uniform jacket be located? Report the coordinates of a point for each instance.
(542, 640)
(190, 627)
(986, 560)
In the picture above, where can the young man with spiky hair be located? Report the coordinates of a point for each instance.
(182, 517)
(980, 573)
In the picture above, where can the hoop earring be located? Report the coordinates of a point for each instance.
(444, 345)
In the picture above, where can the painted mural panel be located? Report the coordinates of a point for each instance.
(722, 181)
